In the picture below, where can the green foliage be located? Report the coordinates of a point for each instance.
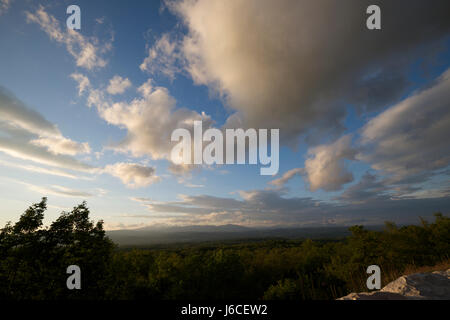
(33, 259)
(33, 262)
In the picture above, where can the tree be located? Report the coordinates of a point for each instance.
(34, 259)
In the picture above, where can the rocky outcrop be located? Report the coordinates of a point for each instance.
(418, 286)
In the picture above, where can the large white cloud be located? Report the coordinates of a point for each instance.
(149, 120)
(294, 64)
(325, 166)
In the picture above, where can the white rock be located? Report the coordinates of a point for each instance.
(418, 286)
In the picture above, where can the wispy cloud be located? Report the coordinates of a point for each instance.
(408, 139)
(26, 134)
(4, 6)
(55, 190)
(86, 51)
(274, 208)
(49, 171)
(163, 57)
(286, 177)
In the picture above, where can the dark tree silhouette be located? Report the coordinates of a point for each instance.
(34, 259)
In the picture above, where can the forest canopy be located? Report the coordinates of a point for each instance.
(34, 258)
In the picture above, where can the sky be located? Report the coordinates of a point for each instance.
(363, 115)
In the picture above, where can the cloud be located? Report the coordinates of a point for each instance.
(149, 120)
(274, 208)
(133, 175)
(20, 116)
(20, 148)
(118, 85)
(26, 134)
(85, 51)
(443, 192)
(83, 82)
(61, 145)
(369, 188)
(31, 168)
(191, 185)
(286, 177)
(61, 191)
(408, 141)
(258, 207)
(325, 166)
(163, 57)
(4, 6)
(55, 190)
(404, 144)
(296, 65)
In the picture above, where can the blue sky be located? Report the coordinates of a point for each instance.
(363, 122)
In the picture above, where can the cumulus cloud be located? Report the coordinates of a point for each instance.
(408, 140)
(404, 144)
(118, 85)
(325, 165)
(149, 120)
(295, 65)
(133, 175)
(86, 51)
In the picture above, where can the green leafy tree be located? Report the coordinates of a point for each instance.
(34, 259)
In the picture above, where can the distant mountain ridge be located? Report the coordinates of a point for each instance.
(199, 233)
(197, 228)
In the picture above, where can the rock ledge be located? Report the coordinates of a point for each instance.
(418, 286)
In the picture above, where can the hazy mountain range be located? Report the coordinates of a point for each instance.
(197, 233)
